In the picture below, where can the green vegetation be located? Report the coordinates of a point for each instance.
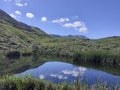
(28, 83)
(98, 57)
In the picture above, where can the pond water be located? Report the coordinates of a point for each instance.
(57, 72)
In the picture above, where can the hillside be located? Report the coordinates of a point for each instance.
(16, 35)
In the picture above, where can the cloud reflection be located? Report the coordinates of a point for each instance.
(75, 72)
(58, 76)
(42, 76)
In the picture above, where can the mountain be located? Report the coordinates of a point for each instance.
(56, 36)
(76, 36)
(70, 36)
(17, 35)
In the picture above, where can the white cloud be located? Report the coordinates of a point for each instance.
(12, 15)
(83, 29)
(73, 25)
(19, 4)
(18, 12)
(43, 19)
(29, 15)
(77, 25)
(61, 20)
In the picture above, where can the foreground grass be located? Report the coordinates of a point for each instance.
(28, 83)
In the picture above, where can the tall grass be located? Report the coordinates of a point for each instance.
(98, 57)
(29, 83)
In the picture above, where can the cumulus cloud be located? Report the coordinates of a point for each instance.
(83, 29)
(13, 15)
(43, 19)
(30, 15)
(61, 20)
(18, 12)
(73, 25)
(19, 4)
(77, 25)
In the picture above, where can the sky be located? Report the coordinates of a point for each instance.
(92, 18)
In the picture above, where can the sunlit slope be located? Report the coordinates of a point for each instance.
(17, 35)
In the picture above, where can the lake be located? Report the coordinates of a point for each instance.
(56, 72)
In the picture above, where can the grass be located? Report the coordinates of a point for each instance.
(98, 57)
(29, 83)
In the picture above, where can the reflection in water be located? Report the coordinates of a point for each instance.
(60, 72)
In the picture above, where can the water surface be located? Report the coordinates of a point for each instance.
(65, 72)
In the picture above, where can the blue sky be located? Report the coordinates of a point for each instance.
(92, 18)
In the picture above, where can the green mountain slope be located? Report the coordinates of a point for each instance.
(16, 35)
